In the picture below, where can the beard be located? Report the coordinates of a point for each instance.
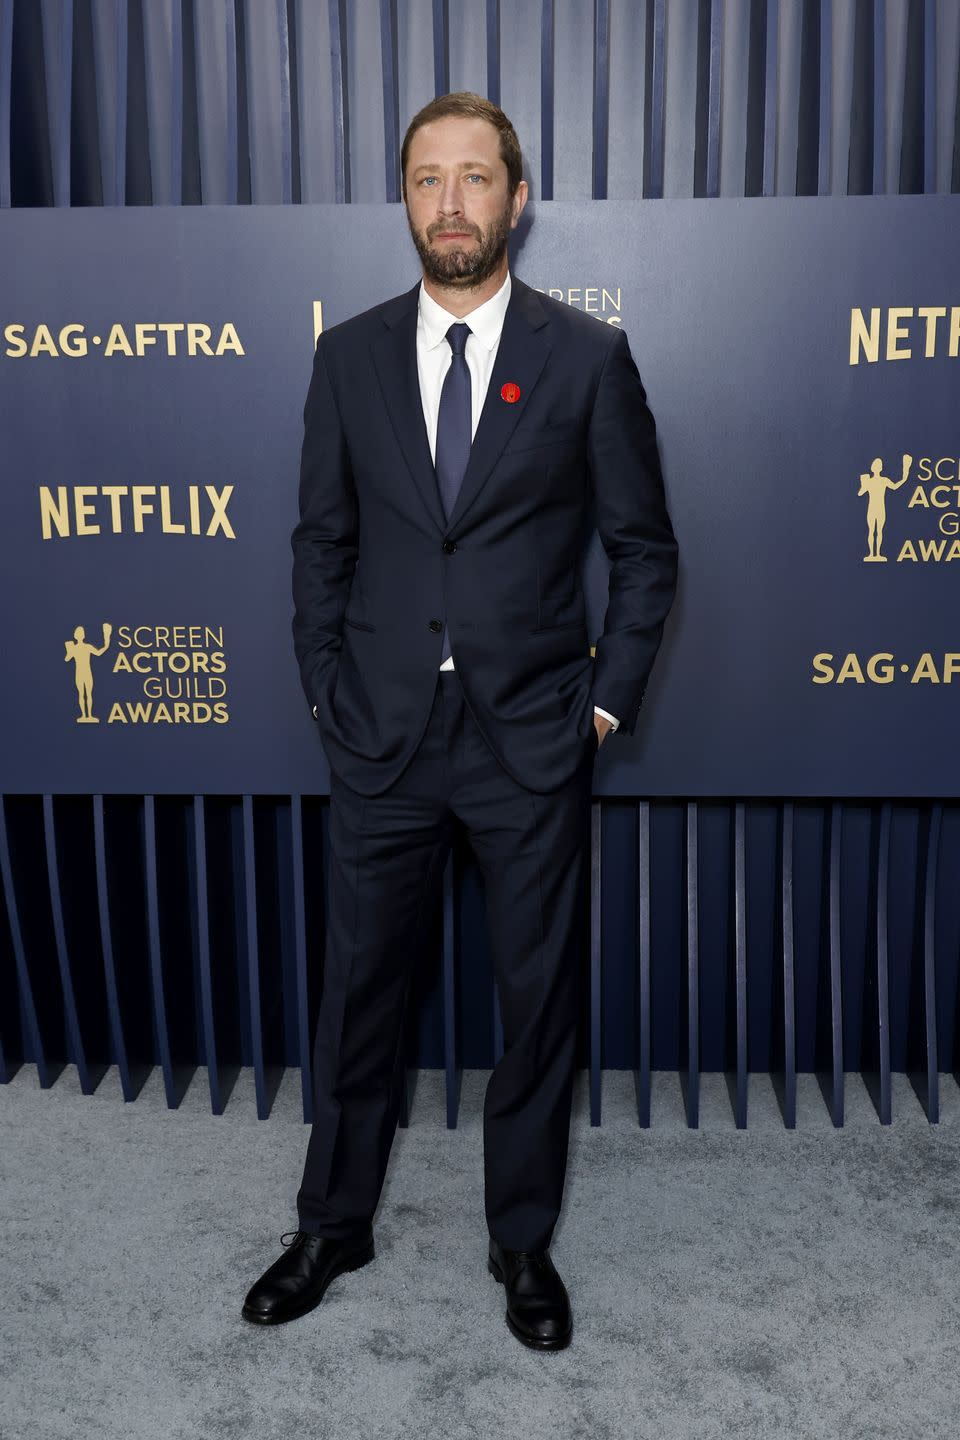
(463, 267)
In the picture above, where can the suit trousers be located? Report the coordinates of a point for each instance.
(387, 855)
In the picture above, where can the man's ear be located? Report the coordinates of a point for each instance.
(520, 200)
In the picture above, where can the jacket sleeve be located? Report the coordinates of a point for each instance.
(325, 539)
(635, 529)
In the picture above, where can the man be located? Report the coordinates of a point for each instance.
(455, 438)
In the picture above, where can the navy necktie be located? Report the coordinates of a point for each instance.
(454, 431)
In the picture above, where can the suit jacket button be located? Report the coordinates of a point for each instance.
(449, 546)
(436, 625)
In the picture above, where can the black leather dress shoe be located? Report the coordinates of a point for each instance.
(296, 1282)
(538, 1306)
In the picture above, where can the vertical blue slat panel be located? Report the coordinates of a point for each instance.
(216, 92)
(468, 48)
(13, 1043)
(880, 105)
(693, 971)
(6, 77)
(947, 61)
(285, 118)
(89, 1079)
(740, 940)
(391, 98)
(843, 44)
(104, 60)
(267, 71)
(656, 69)
(315, 104)
(114, 1017)
(601, 98)
(825, 149)
(948, 946)
(415, 42)
(809, 151)
(173, 1024)
(932, 1098)
(863, 130)
(493, 51)
(912, 148)
(120, 117)
(452, 1069)
(734, 85)
(163, 60)
(176, 103)
(789, 37)
(642, 1073)
(47, 1071)
(896, 30)
(680, 98)
(202, 941)
(929, 96)
(155, 949)
(58, 52)
(11, 1039)
(341, 110)
(629, 100)
(596, 961)
(789, 983)
(520, 40)
(233, 104)
(714, 98)
(568, 107)
(836, 988)
(441, 48)
(547, 36)
(883, 963)
(771, 108)
(365, 147)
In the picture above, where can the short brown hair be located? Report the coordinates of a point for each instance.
(464, 102)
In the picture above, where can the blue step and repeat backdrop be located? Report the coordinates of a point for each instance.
(802, 361)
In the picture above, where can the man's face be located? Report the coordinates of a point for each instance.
(458, 209)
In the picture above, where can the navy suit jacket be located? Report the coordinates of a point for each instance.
(378, 568)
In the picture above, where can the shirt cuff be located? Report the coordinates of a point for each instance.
(614, 722)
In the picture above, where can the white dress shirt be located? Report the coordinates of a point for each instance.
(434, 358)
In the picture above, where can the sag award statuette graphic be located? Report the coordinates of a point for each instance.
(79, 650)
(876, 485)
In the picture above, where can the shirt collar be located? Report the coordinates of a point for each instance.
(486, 322)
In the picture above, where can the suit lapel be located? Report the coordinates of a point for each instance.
(521, 356)
(395, 359)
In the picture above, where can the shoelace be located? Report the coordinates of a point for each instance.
(285, 1242)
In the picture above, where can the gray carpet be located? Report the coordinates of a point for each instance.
(759, 1283)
